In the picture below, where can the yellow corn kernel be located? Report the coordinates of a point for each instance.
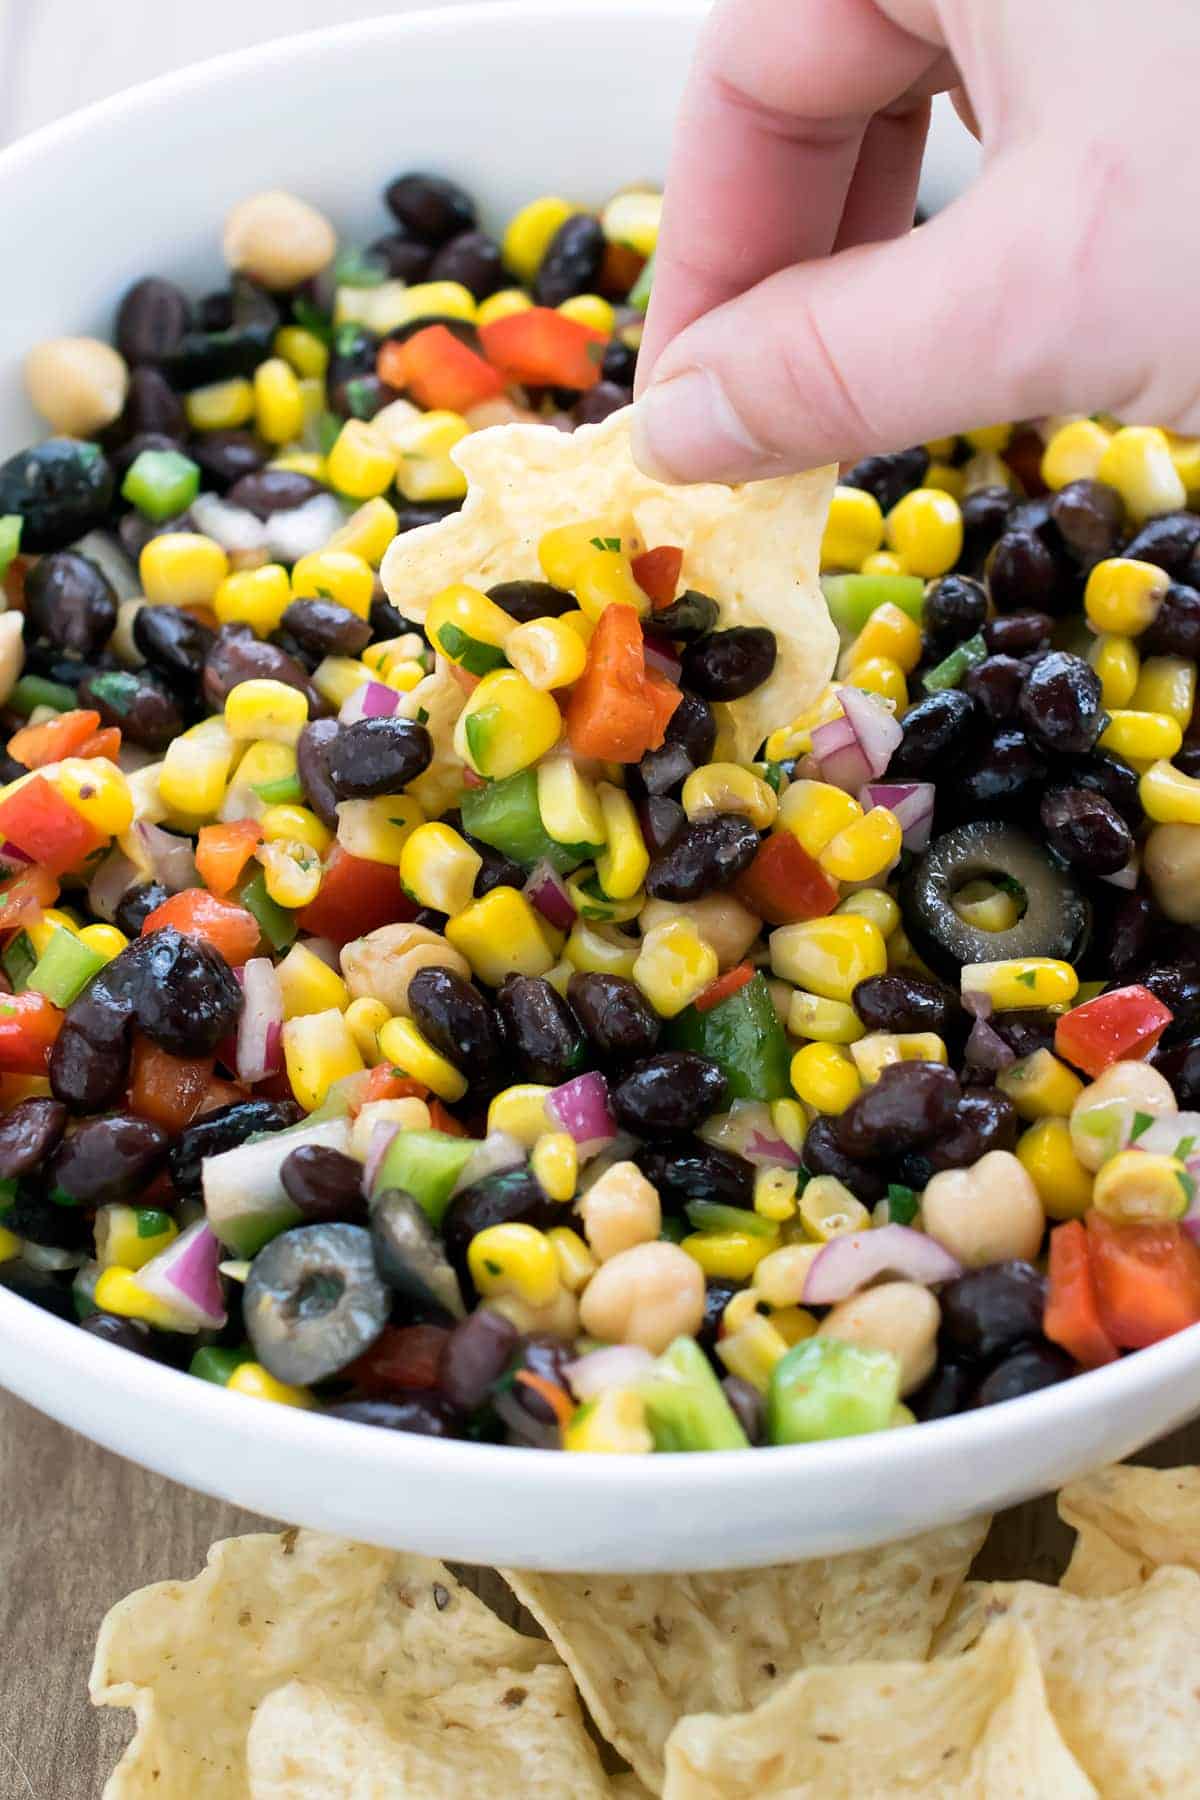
(853, 529)
(1168, 796)
(1045, 1152)
(925, 528)
(1136, 1187)
(506, 726)
(502, 305)
(291, 872)
(775, 1194)
(796, 739)
(468, 628)
(633, 219)
(105, 940)
(1074, 453)
(604, 577)
(622, 865)
(382, 656)
(563, 551)
(424, 467)
(367, 532)
(875, 904)
(336, 678)
(825, 1078)
(297, 823)
(883, 562)
(1137, 462)
(790, 1120)
(600, 949)
(118, 1291)
(673, 965)
(98, 791)
(335, 575)
(278, 402)
(318, 1049)
(406, 1047)
(128, 1236)
(986, 907)
(779, 1278)
(829, 956)
(303, 349)
(309, 985)
(880, 1049)
(514, 1259)
(182, 568)
(880, 675)
(828, 1209)
(378, 829)
(1123, 595)
(195, 770)
(255, 597)
(1115, 660)
(727, 1255)
(365, 1019)
(815, 812)
(361, 463)
(748, 1303)
(1021, 981)
(499, 935)
(794, 1324)
(990, 437)
(1167, 684)
(555, 1163)
(438, 867)
(263, 709)
(592, 310)
(528, 233)
(1141, 737)
(902, 955)
(1185, 454)
(889, 632)
(520, 1112)
(10, 1245)
(546, 652)
(825, 1021)
(221, 406)
(41, 932)
(752, 1351)
(729, 787)
(864, 849)
(1040, 1086)
(614, 1424)
(576, 1264)
(257, 1383)
(569, 803)
(945, 478)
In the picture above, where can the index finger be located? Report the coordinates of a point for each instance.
(765, 146)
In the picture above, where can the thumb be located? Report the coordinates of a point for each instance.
(974, 318)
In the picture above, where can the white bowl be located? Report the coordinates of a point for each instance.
(513, 99)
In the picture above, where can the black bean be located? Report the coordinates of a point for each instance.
(1107, 776)
(571, 264)
(1061, 703)
(1132, 929)
(313, 1301)
(600, 402)
(312, 767)
(889, 477)
(152, 407)
(1085, 830)
(1169, 542)
(142, 706)
(512, 1197)
(423, 1413)
(948, 1391)
(662, 820)
(377, 756)
(474, 1357)
(935, 729)
(405, 257)
(452, 1013)
(236, 655)
(727, 665)
(907, 1107)
(823, 1155)
(995, 686)
(999, 777)
(955, 607)
(473, 259)
(324, 1183)
(28, 1134)
(152, 318)
(1018, 633)
(1089, 516)
(984, 516)
(900, 1002)
(127, 1334)
(89, 1063)
(543, 1032)
(693, 725)
(1024, 1372)
(620, 362)
(989, 1311)
(107, 1160)
(326, 629)
(674, 1091)
(182, 991)
(747, 1406)
(717, 1295)
(691, 615)
(661, 771)
(136, 904)
(432, 207)
(686, 1169)
(1022, 574)
(226, 456)
(62, 489)
(1180, 1063)
(709, 853)
(35, 1216)
(1177, 985)
(265, 492)
(69, 601)
(134, 530)
(526, 600)
(1175, 628)
(1025, 1030)
(1034, 515)
(234, 333)
(225, 1129)
(615, 1013)
(984, 1120)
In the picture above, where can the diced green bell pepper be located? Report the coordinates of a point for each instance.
(711, 1215)
(276, 923)
(471, 654)
(64, 968)
(213, 1363)
(852, 599)
(744, 1037)
(32, 691)
(161, 483)
(287, 791)
(824, 1388)
(639, 293)
(950, 671)
(10, 539)
(685, 1407)
(902, 1203)
(425, 1164)
(505, 814)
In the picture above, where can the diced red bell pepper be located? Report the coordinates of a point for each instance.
(386, 1083)
(232, 930)
(105, 743)
(167, 1090)
(1122, 1025)
(657, 573)
(355, 896)
(29, 1024)
(25, 897)
(222, 852)
(725, 985)
(1147, 1280)
(46, 827)
(784, 884)
(541, 348)
(618, 708)
(35, 745)
(1072, 1317)
(402, 1356)
(439, 370)
(227, 1093)
(442, 1120)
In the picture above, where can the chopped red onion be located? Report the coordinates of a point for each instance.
(109, 556)
(857, 747)
(580, 1106)
(770, 1152)
(184, 1276)
(111, 882)
(847, 1263)
(986, 1049)
(233, 527)
(617, 1365)
(547, 891)
(660, 654)
(839, 755)
(260, 1026)
(302, 529)
(911, 801)
(497, 1153)
(370, 700)
(382, 1133)
(171, 857)
(977, 1003)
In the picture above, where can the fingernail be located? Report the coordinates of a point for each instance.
(686, 429)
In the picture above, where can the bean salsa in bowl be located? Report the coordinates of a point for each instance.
(447, 1018)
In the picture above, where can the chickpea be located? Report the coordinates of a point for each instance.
(558, 1318)
(12, 652)
(899, 1316)
(780, 1276)
(985, 1214)
(722, 921)
(1102, 1117)
(1171, 860)
(278, 240)
(409, 1114)
(77, 384)
(649, 1296)
(619, 1210)
(381, 965)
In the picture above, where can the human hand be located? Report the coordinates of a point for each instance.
(796, 319)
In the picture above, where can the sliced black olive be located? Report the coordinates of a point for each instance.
(314, 1301)
(1056, 917)
(409, 1254)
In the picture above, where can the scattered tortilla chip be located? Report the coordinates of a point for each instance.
(755, 548)
(1130, 1522)
(646, 1649)
(1120, 1673)
(974, 1728)
(518, 1736)
(194, 1658)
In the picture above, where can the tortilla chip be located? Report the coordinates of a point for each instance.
(1120, 1673)
(646, 1649)
(194, 1658)
(510, 1734)
(975, 1728)
(755, 549)
(1130, 1522)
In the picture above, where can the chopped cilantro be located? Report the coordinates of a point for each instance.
(603, 543)
(902, 1203)
(1141, 1122)
(1028, 978)
(422, 715)
(1184, 1148)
